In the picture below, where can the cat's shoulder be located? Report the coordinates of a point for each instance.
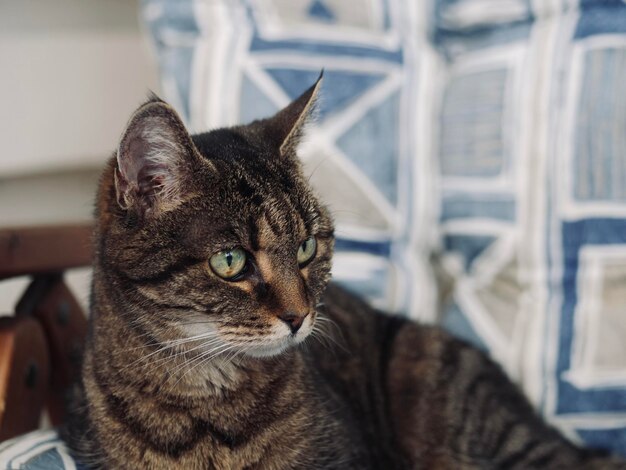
(356, 317)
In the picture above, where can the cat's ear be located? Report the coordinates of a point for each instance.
(155, 157)
(286, 127)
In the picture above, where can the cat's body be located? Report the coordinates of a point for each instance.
(384, 393)
(195, 361)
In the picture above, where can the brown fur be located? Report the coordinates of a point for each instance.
(365, 390)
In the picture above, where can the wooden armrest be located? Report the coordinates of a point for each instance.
(49, 301)
(41, 345)
(24, 375)
(35, 250)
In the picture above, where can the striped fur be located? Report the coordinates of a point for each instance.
(184, 369)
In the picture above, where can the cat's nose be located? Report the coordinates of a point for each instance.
(293, 320)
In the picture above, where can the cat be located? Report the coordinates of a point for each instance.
(217, 342)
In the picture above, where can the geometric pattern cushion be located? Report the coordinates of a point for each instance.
(38, 450)
(532, 164)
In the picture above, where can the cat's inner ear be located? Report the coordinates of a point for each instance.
(155, 157)
(286, 127)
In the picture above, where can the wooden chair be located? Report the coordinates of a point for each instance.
(41, 341)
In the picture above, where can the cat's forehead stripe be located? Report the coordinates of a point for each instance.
(270, 222)
(253, 233)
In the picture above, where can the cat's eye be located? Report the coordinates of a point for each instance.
(307, 250)
(228, 264)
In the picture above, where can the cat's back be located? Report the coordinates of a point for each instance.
(427, 400)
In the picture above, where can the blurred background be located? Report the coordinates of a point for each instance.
(72, 72)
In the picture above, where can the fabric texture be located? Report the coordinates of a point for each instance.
(39, 450)
(479, 139)
(532, 167)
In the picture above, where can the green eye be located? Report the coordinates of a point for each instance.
(228, 264)
(306, 252)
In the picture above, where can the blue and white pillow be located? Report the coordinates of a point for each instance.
(532, 168)
(38, 450)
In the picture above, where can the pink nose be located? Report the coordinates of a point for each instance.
(293, 320)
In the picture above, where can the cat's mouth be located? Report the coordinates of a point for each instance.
(228, 344)
(281, 339)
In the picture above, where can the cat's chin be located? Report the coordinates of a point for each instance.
(268, 351)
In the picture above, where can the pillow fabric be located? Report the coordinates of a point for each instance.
(532, 171)
(38, 450)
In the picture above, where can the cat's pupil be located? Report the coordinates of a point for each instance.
(229, 259)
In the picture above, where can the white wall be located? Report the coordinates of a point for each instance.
(71, 72)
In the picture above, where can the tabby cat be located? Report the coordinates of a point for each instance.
(210, 288)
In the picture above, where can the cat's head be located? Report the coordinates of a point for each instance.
(216, 235)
